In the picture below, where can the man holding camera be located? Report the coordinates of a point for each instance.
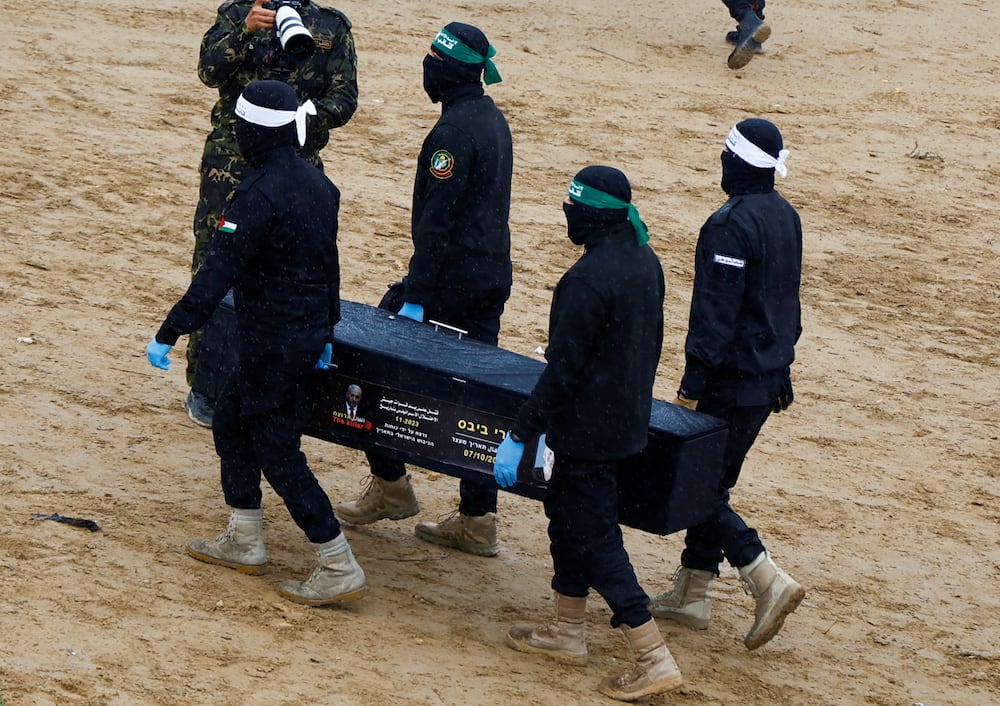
(246, 44)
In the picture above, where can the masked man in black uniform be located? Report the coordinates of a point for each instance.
(745, 321)
(276, 248)
(593, 401)
(460, 271)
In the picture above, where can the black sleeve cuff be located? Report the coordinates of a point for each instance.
(695, 381)
(166, 336)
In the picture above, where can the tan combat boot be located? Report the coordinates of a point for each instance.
(337, 577)
(688, 602)
(475, 534)
(776, 594)
(563, 639)
(380, 500)
(240, 547)
(655, 670)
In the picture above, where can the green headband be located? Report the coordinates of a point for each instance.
(454, 47)
(595, 198)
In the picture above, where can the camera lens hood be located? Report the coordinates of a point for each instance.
(293, 35)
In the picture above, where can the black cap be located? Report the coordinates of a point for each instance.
(762, 133)
(607, 179)
(471, 37)
(276, 95)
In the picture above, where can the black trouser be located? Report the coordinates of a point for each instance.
(267, 440)
(478, 313)
(216, 349)
(581, 502)
(738, 8)
(725, 534)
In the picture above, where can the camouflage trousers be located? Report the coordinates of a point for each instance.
(220, 175)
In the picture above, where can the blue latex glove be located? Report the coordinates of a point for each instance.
(156, 354)
(325, 358)
(412, 311)
(509, 454)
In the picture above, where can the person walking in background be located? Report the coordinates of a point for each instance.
(750, 33)
(276, 248)
(744, 323)
(460, 272)
(242, 46)
(593, 401)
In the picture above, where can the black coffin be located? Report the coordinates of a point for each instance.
(435, 400)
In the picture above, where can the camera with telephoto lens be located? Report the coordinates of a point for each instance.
(295, 39)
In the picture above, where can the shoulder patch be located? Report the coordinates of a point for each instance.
(729, 260)
(442, 164)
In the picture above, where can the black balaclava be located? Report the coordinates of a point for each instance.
(442, 77)
(586, 225)
(738, 177)
(257, 141)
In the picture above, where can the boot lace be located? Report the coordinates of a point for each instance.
(447, 521)
(672, 593)
(371, 488)
(548, 631)
(230, 532)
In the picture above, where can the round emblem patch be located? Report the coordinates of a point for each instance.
(442, 163)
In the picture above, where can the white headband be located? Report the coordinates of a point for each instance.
(754, 155)
(269, 117)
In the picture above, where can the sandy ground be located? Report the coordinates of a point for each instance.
(877, 490)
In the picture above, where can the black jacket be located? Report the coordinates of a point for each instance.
(745, 313)
(461, 201)
(605, 332)
(281, 262)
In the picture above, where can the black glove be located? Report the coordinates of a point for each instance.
(392, 300)
(785, 395)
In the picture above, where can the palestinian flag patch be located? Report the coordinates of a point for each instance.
(442, 162)
(226, 226)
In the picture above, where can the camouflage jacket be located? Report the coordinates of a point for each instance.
(231, 58)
